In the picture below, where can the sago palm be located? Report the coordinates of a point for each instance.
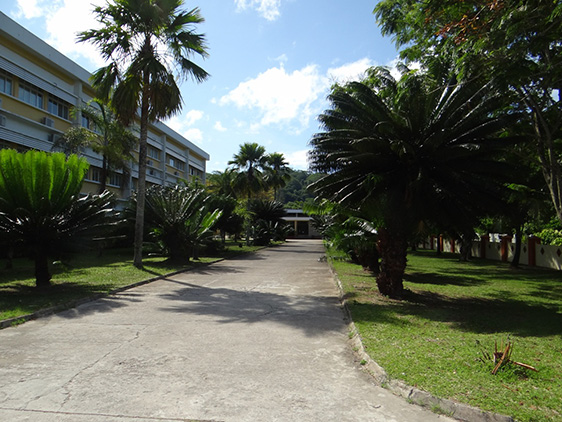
(41, 209)
(410, 151)
(145, 43)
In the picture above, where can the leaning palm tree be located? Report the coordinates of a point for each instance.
(41, 208)
(410, 151)
(145, 43)
(249, 164)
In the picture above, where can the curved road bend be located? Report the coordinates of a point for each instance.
(258, 338)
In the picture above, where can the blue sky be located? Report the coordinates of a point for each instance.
(271, 64)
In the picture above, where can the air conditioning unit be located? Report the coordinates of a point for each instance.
(149, 162)
(47, 121)
(151, 172)
(2, 120)
(176, 173)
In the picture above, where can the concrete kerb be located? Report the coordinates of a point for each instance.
(460, 411)
(74, 303)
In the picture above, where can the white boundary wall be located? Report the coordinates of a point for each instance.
(546, 256)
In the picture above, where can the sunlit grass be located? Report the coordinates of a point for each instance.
(452, 310)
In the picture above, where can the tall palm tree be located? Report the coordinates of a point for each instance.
(277, 173)
(410, 151)
(250, 163)
(145, 43)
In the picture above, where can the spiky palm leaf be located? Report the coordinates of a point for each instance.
(40, 204)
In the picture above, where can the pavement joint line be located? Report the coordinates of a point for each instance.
(107, 415)
(456, 410)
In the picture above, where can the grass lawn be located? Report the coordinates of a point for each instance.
(84, 275)
(452, 310)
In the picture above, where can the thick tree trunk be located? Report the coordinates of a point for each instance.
(42, 274)
(141, 181)
(393, 249)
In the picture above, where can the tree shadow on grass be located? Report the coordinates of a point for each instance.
(469, 314)
(442, 279)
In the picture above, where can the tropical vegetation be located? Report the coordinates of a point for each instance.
(406, 153)
(145, 43)
(41, 209)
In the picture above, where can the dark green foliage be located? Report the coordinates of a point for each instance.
(266, 222)
(249, 165)
(409, 152)
(514, 43)
(179, 219)
(41, 209)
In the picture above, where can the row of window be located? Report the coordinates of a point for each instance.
(94, 174)
(32, 95)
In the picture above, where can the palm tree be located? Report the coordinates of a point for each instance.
(277, 173)
(111, 139)
(410, 151)
(106, 136)
(41, 209)
(249, 164)
(145, 42)
(222, 183)
(180, 218)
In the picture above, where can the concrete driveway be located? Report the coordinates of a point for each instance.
(259, 338)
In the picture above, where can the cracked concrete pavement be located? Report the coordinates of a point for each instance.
(257, 338)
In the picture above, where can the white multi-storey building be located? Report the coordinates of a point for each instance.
(38, 89)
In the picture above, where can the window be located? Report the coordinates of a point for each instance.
(30, 95)
(86, 122)
(180, 165)
(57, 107)
(153, 153)
(115, 179)
(95, 174)
(5, 83)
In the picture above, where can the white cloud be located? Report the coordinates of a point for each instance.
(192, 116)
(63, 20)
(269, 9)
(29, 9)
(297, 160)
(279, 96)
(350, 71)
(218, 126)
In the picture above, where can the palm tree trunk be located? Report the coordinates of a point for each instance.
(141, 181)
(393, 248)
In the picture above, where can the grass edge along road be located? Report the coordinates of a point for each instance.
(86, 275)
(454, 312)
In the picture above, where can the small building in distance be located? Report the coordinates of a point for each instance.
(39, 87)
(302, 224)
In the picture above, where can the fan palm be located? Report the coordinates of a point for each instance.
(145, 42)
(410, 151)
(41, 208)
(277, 173)
(249, 164)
